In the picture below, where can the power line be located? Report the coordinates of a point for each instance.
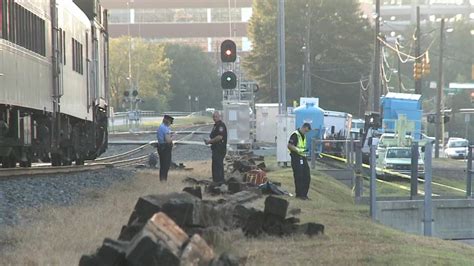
(407, 55)
(337, 82)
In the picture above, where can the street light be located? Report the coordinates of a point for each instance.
(197, 103)
(189, 101)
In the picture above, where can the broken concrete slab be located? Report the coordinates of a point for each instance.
(311, 229)
(112, 252)
(178, 206)
(169, 230)
(151, 247)
(235, 187)
(276, 206)
(129, 231)
(89, 260)
(197, 252)
(195, 191)
(225, 259)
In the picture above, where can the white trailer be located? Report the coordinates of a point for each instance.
(340, 121)
(266, 124)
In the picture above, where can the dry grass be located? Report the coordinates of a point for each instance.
(60, 235)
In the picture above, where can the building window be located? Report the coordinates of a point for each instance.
(77, 56)
(222, 14)
(118, 16)
(172, 15)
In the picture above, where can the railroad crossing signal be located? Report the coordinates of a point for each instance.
(228, 51)
(228, 80)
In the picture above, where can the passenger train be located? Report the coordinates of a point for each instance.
(53, 81)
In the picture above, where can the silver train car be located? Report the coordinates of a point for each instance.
(53, 81)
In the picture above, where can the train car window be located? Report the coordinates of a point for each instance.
(23, 27)
(20, 29)
(73, 43)
(64, 46)
(77, 57)
(60, 45)
(16, 16)
(81, 57)
(11, 21)
(29, 32)
(2, 29)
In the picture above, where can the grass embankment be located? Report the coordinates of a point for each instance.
(61, 234)
(178, 122)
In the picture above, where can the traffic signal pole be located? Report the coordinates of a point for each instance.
(281, 58)
(439, 119)
(376, 74)
(418, 50)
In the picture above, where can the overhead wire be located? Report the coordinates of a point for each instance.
(336, 82)
(362, 84)
(407, 55)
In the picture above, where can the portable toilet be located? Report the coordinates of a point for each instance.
(309, 113)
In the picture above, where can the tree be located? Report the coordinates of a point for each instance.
(192, 74)
(150, 73)
(341, 50)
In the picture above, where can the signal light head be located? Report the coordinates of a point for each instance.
(228, 51)
(228, 80)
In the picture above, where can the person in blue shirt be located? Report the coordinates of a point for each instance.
(165, 145)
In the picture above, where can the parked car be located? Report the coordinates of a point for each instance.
(456, 148)
(398, 159)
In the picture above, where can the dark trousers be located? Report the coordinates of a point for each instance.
(218, 165)
(301, 175)
(164, 150)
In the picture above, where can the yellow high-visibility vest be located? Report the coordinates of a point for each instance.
(301, 145)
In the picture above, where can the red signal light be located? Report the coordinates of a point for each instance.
(228, 51)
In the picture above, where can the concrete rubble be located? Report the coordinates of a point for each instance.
(172, 229)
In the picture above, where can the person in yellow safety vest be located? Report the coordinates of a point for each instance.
(299, 163)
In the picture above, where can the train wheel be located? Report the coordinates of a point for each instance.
(25, 164)
(80, 161)
(5, 162)
(55, 159)
(8, 161)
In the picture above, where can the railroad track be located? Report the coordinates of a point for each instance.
(405, 178)
(118, 160)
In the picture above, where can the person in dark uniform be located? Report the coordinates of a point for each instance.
(299, 163)
(165, 145)
(218, 141)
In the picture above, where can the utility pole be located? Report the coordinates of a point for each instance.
(281, 58)
(439, 119)
(418, 49)
(376, 75)
(399, 68)
(307, 68)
